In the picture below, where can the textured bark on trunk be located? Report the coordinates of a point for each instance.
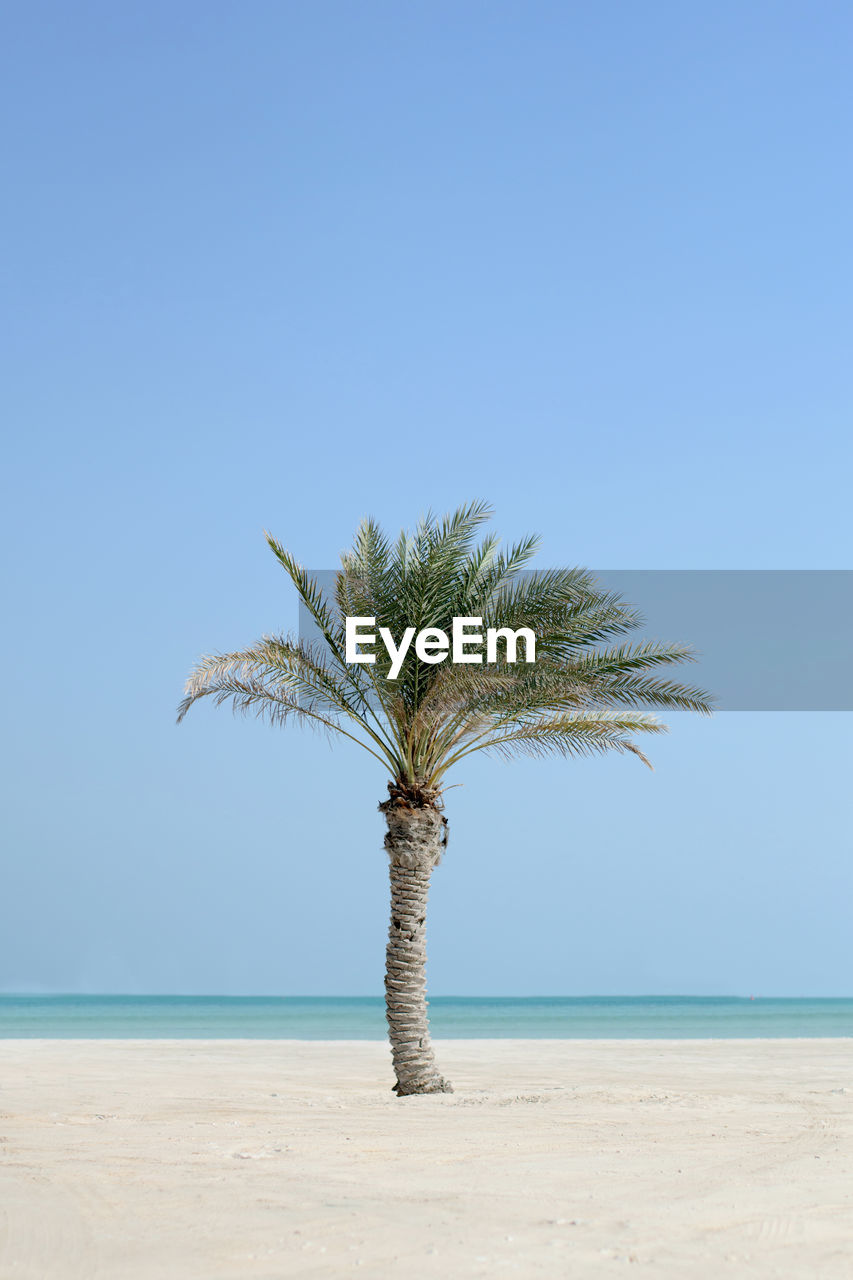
(414, 842)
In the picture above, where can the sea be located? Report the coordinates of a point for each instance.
(158, 1017)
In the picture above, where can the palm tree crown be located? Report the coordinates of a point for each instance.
(588, 690)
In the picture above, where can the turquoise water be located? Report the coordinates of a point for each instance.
(451, 1017)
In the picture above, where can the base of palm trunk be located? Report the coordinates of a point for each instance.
(436, 1085)
(414, 842)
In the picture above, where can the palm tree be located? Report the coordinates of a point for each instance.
(584, 694)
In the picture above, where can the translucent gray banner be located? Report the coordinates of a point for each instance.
(765, 639)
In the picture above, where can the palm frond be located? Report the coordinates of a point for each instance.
(565, 735)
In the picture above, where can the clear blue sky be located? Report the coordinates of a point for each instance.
(281, 265)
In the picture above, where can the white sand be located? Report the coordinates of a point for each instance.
(230, 1159)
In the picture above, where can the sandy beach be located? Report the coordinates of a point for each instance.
(227, 1159)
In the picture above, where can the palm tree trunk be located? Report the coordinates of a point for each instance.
(414, 843)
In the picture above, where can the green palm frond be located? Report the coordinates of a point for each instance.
(570, 735)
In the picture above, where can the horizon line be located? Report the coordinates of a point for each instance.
(218, 995)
